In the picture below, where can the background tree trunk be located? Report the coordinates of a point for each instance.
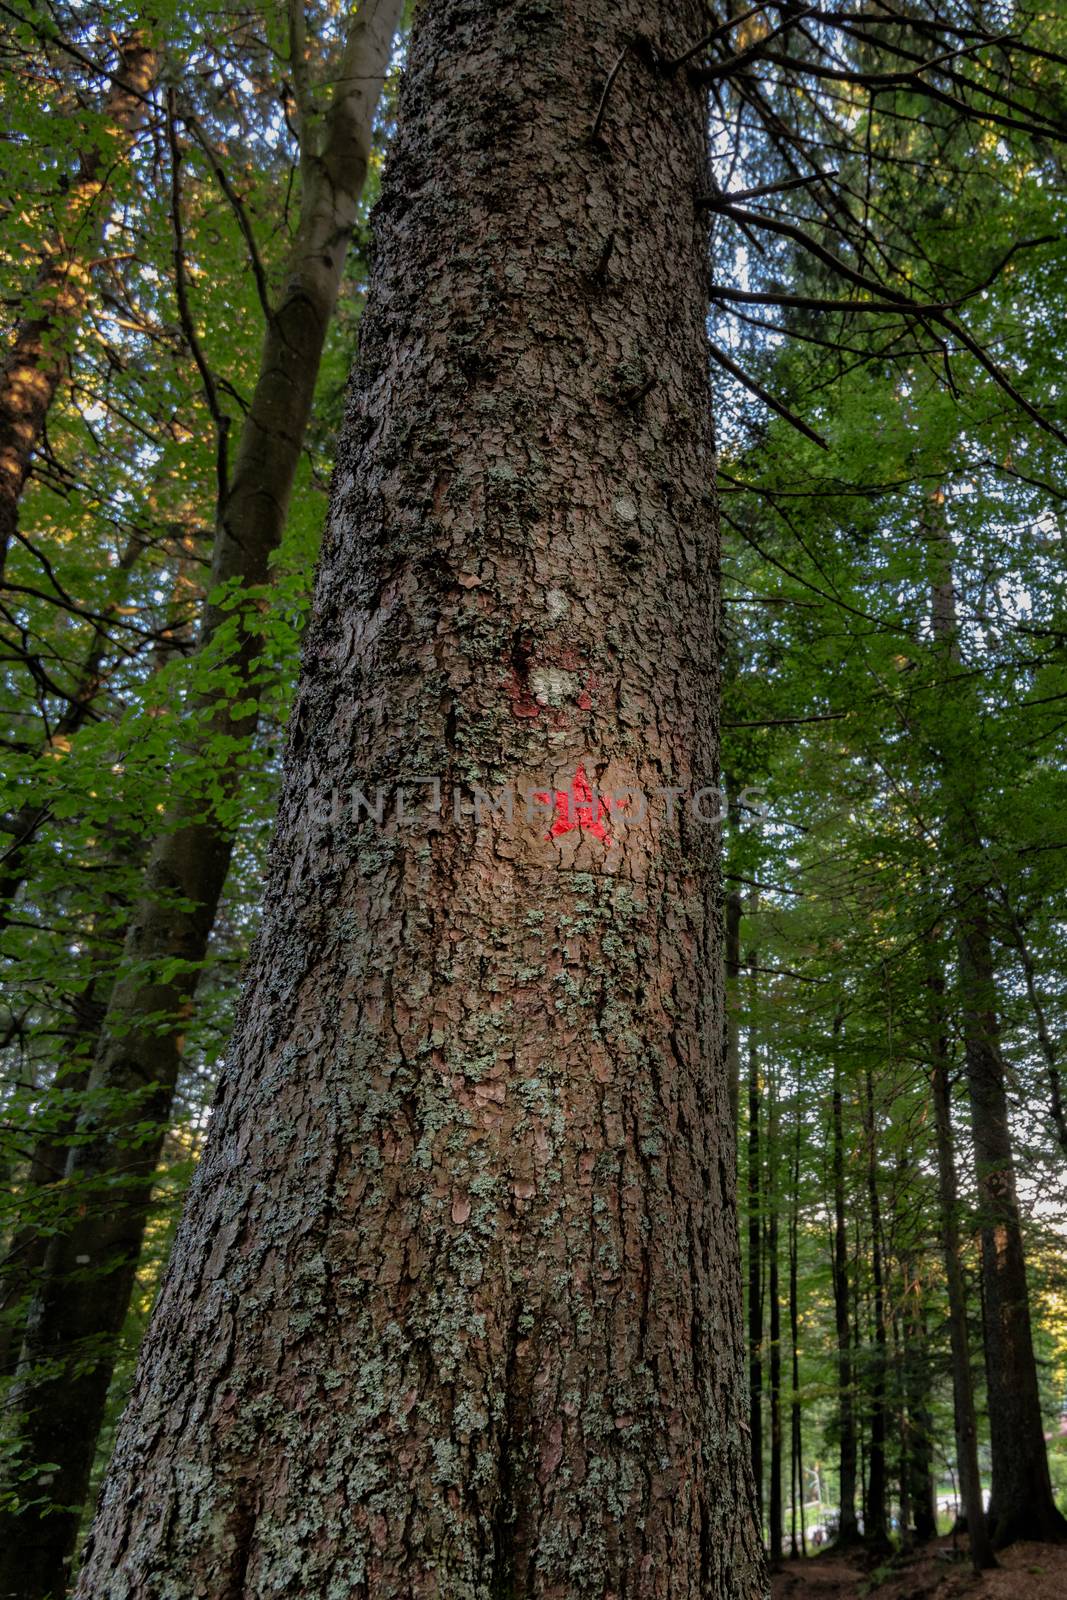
(755, 1257)
(796, 1438)
(455, 1308)
(40, 350)
(775, 1488)
(733, 967)
(89, 1269)
(1021, 1505)
(962, 1381)
(876, 1527)
(1049, 1046)
(848, 1528)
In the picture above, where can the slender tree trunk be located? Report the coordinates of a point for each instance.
(733, 1002)
(774, 1516)
(90, 1268)
(899, 1387)
(455, 1306)
(755, 1259)
(23, 825)
(53, 1127)
(848, 1529)
(40, 350)
(962, 1382)
(1048, 1046)
(24, 1259)
(1022, 1505)
(796, 1436)
(918, 1475)
(876, 1528)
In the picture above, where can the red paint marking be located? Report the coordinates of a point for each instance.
(575, 809)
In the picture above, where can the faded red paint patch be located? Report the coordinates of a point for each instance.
(575, 808)
(517, 679)
(585, 699)
(523, 703)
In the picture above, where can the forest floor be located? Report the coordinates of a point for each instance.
(1026, 1572)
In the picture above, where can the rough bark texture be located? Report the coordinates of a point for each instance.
(1021, 1503)
(40, 349)
(454, 1309)
(89, 1270)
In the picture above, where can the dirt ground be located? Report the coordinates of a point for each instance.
(1026, 1572)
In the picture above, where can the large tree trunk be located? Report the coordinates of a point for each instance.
(454, 1309)
(848, 1527)
(68, 1352)
(1021, 1505)
(40, 349)
(962, 1381)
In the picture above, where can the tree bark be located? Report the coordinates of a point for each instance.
(982, 1556)
(68, 1352)
(1022, 1506)
(454, 1309)
(40, 349)
(848, 1527)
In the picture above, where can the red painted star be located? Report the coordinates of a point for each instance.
(575, 809)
